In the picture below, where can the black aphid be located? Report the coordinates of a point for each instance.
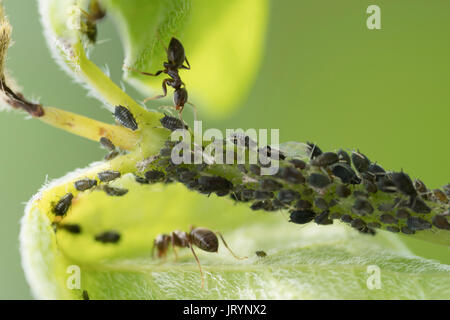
(392, 229)
(263, 195)
(187, 176)
(360, 161)
(271, 153)
(290, 175)
(321, 203)
(111, 155)
(210, 184)
(303, 205)
(447, 189)
(108, 237)
(261, 254)
(318, 180)
(374, 225)
(85, 184)
(407, 230)
(403, 183)
(419, 206)
(388, 219)
(107, 144)
(441, 222)
(85, 295)
(172, 123)
(362, 207)
(140, 180)
(70, 227)
(242, 168)
(376, 170)
(125, 118)
(415, 223)
(420, 186)
(323, 218)
(270, 185)
(165, 152)
(358, 224)
(261, 205)
(360, 194)
(325, 159)
(346, 218)
(287, 196)
(385, 184)
(108, 175)
(63, 204)
(343, 191)
(299, 164)
(344, 172)
(344, 157)
(154, 176)
(255, 169)
(440, 196)
(114, 191)
(370, 186)
(335, 215)
(314, 150)
(332, 203)
(302, 216)
(402, 213)
(386, 207)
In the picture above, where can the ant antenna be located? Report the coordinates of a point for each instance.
(194, 108)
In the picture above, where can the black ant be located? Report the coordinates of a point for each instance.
(94, 14)
(176, 58)
(202, 238)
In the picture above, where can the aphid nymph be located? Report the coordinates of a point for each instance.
(111, 236)
(125, 118)
(63, 204)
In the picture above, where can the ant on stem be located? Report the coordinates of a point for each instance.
(176, 58)
(202, 238)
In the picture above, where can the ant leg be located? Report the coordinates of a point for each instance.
(158, 36)
(173, 247)
(144, 73)
(164, 86)
(195, 110)
(153, 249)
(198, 263)
(226, 245)
(180, 111)
(188, 67)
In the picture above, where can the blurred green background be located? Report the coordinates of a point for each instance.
(324, 78)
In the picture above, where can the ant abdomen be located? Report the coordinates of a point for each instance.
(205, 239)
(180, 97)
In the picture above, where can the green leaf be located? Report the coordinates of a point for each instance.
(223, 42)
(312, 262)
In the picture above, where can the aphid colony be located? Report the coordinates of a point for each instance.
(328, 186)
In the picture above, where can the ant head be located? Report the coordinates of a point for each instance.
(161, 243)
(175, 53)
